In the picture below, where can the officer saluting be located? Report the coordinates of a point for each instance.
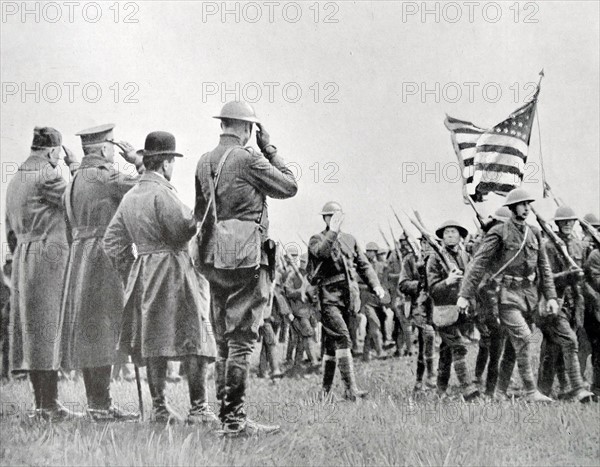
(334, 258)
(232, 185)
(513, 251)
(93, 298)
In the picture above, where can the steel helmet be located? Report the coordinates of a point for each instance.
(372, 246)
(516, 196)
(501, 214)
(565, 213)
(440, 230)
(592, 219)
(238, 110)
(330, 208)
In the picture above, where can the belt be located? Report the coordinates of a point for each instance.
(146, 249)
(518, 281)
(334, 279)
(89, 231)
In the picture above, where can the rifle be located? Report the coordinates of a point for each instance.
(396, 248)
(556, 240)
(439, 249)
(384, 239)
(408, 235)
(591, 231)
(302, 240)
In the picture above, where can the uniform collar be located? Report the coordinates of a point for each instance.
(228, 139)
(34, 162)
(94, 160)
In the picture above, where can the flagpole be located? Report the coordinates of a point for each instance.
(547, 191)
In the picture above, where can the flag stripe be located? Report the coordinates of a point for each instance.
(490, 139)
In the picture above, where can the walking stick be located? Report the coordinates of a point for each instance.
(138, 382)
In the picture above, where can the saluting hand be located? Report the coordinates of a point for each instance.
(70, 156)
(454, 277)
(127, 151)
(262, 137)
(379, 292)
(552, 307)
(336, 221)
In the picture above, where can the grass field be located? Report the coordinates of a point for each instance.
(386, 429)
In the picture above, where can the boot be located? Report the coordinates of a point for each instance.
(538, 397)
(469, 391)
(329, 365)
(346, 364)
(200, 412)
(45, 387)
(584, 396)
(173, 375)
(314, 364)
(157, 381)
(220, 384)
(235, 420)
(97, 389)
(526, 373)
(274, 361)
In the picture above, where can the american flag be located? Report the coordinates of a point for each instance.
(464, 139)
(493, 160)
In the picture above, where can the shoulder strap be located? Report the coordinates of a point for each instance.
(68, 201)
(212, 183)
(505, 265)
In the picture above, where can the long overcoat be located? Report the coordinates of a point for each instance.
(166, 299)
(93, 299)
(34, 214)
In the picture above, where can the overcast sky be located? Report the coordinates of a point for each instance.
(374, 136)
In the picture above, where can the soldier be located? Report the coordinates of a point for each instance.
(35, 217)
(512, 251)
(403, 314)
(371, 308)
(443, 287)
(93, 299)
(334, 258)
(560, 331)
(232, 185)
(592, 305)
(492, 336)
(413, 283)
(302, 299)
(166, 305)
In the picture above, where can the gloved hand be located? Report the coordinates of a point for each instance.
(262, 137)
(552, 307)
(463, 304)
(127, 151)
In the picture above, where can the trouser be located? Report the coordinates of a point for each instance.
(561, 338)
(518, 333)
(453, 350)
(292, 345)
(552, 364)
(45, 388)
(402, 331)
(585, 348)
(592, 327)
(238, 299)
(335, 322)
(5, 340)
(491, 345)
(374, 338)
(353, 328)
(97, 387)
(426, 342)
(268, 351)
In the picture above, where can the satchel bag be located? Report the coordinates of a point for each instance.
(235, 243)
(445, 315)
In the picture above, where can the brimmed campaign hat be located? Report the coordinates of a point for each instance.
(440, 231)
(46, 137)
(159, 143)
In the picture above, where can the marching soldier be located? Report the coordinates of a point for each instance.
(560, 331)
(443, 288)
(492, 336)
(166, 305)
(35, 217)
(302, 301)
(372, 309)
(513, 251)
(334, 258)
(93, 299)
(413, 283)
(592, 305)
(232, 185)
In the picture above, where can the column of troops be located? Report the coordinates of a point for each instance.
(109, 268)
